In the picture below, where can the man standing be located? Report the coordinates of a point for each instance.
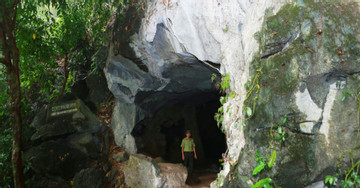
(188, 152)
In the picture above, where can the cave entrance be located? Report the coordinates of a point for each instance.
(160, 136)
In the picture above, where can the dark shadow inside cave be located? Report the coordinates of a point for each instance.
(160, 136)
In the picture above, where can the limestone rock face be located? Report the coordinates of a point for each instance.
(141, 171)
(306, 54)
(306, 73)
(145, 75)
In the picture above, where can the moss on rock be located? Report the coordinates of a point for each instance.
(308, 45)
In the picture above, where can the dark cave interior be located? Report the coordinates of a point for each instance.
(160, 136)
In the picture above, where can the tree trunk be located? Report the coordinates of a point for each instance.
(16, 122)
(11, 61)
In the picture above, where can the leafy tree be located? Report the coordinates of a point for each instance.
(11, 61)
(43, 45)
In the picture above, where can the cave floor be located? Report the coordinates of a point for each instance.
(202, 181)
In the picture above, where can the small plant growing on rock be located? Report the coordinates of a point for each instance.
(224, 87)
(346, 92)
(352, 181)
(261, 165)
(352, 178)
(331, 180)
(251, 96)
(280, 130)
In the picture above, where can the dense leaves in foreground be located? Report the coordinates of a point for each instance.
(56, 41)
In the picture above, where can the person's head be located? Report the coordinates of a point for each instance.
(188, 133)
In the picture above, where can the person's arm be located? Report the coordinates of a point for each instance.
(195, 156)
(182, 153)
(193, 143)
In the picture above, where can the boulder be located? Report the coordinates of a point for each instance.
(64, 118)
(141, 171)
(174, 174)
(122, 125)
(86, 143)
(56, 159)
(90, 178)
(98, 90)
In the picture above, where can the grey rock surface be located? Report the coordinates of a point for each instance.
(303, 77)
(141, 171)
(145, 76)
(175, 174)
(63, 119)
(86, 143)
(308, 55)
(98, 90)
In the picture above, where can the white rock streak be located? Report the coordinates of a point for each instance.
(313, 113)
(327, 110)
(307, 106)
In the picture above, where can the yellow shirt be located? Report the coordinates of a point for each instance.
(188, 144)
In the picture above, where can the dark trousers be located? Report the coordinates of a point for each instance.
(189, 161)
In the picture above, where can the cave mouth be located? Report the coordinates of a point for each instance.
(160, 136)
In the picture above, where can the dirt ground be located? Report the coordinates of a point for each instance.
(202, 181)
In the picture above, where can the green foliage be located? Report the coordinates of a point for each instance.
(232, 94)
(224, 84)
(352, 178)
(219, 181)
(272, 159)
(226, 29)
(213, 77)
(331, 180)
(224, 87)
(259, 168)
(351, 181)
(5, 157)
(251, 96)
(5, 133)
(346, 92)
(248, 111)
(261, 163)
(48, 33)
(263, 183)
(281, 133)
